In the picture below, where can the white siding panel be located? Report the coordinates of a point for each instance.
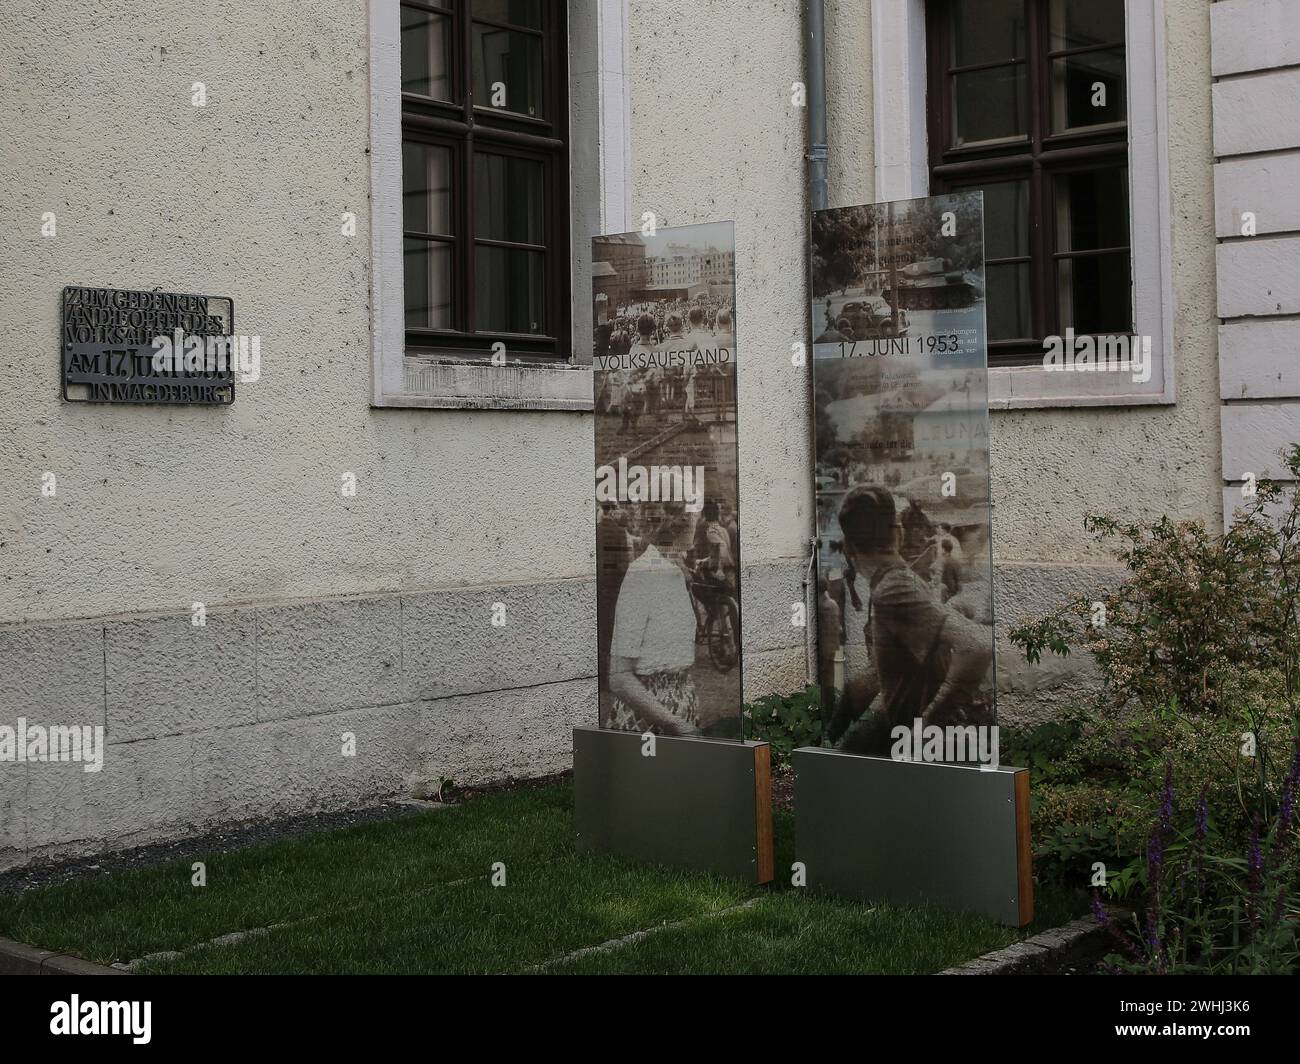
(1254, 433)
(1234, 501)
(1254, 35)
(1259, 277)
(1259, 360)
(1257, 113)
(1268, 186)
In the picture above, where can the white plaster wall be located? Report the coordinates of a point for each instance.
(736, 153)
(850, 103)
(158, 508)
(161, 507)
(714, 136)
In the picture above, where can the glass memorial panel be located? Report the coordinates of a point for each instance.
(667, 517)
(905, 589)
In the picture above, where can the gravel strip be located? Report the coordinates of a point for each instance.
(637, 936)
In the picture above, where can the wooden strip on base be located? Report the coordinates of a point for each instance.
(1024, 850)
(763, 813)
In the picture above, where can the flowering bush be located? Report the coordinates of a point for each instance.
(1199, 649)
(1096, 773)
(1195, 609)
(1209, 910)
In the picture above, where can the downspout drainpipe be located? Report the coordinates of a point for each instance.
(818, 199)
(817, 147)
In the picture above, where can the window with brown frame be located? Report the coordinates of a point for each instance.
(1028, 103)
(485, 195)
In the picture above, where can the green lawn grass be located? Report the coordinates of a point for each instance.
(414, 896)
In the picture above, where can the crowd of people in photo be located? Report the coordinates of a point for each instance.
(703, 324)
(705, 316)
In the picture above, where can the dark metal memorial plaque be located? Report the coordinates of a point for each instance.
(121, 346)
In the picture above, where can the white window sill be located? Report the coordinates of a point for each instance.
(449, 384)
(1034, 388)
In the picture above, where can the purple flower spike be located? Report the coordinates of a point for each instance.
(1153, 934)
(1155, 854)
(1289, 787)
(1099, 910)
(1254, 879)
(1167, 798)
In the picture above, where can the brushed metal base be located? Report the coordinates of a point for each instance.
(910, 831)
(704, 804)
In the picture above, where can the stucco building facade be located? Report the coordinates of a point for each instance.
(370, 614)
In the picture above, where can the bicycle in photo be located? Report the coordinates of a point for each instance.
(721, 619)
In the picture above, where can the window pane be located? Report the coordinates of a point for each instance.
(508, 199)
(1082, 23)
(1092, 210)
(428, 284)
(509, 290)
(1088, 90)
(507, 70)
(426, 188)
(985, 31)
(1094, 294)
(990, 104)
(517, 12)
(1007, 301)
(1006, 219)
(426, 58)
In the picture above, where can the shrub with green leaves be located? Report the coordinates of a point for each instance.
(1199, 650)
(1194, 608)
(1096, 772)
(1087, 800)
(787, 722)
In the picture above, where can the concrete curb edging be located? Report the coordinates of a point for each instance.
(1024, 957)
(18, 958)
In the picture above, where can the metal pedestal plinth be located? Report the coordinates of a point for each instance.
(909, 831)
(703, 804)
